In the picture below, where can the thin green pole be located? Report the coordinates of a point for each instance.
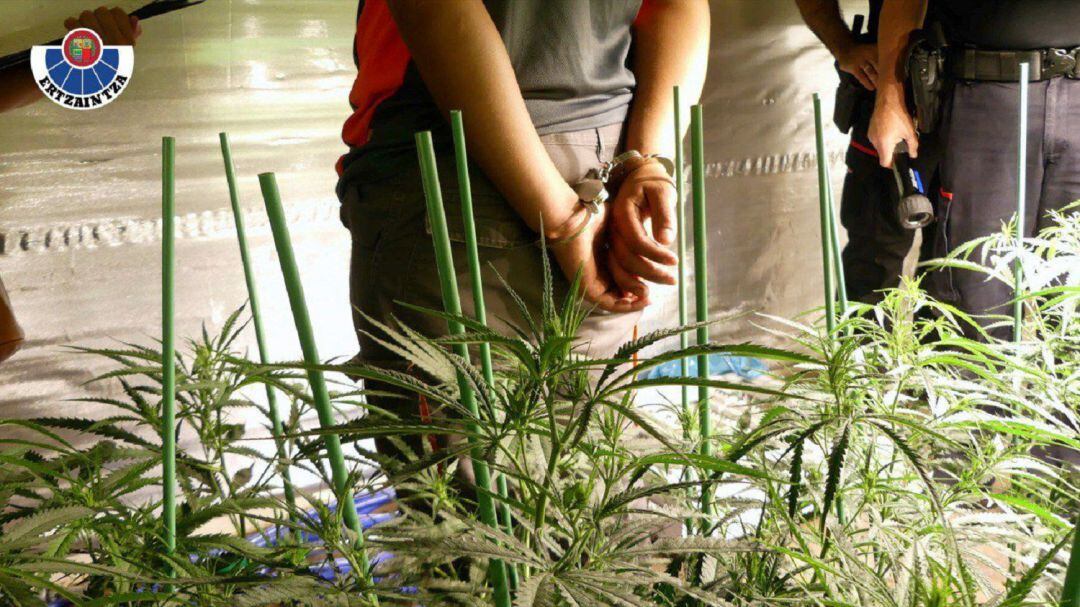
(1021, 199)
(1070, 593)
(680, 224)
(452, 303)
(472, 252)
(825, 215)
(319, 393)
(256, 320)
(168, 339)
(834, 241)
(701, 290)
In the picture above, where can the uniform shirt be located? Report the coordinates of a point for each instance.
(571, 59)
(1010, 24)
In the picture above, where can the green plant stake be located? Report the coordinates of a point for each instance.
(701, 290)
(1070, 593)
(452, 304)
(680, 244)
(319, 393)
(168, 340)
(256, 319)
(472, 251)
(834, 241)
(826, 215)
(1021, 197)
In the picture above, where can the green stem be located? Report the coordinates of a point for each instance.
(319, 393)
(834, 242)
(680, 226)
(168, 340)
(256, 320)
(472, 252)
(701, 291)
(826, 214)
(1021, 198)
(1070, 593)
(452, 304)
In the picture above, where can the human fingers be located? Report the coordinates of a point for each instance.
(626, 281)
(660, 195)
(871, 74)
(638, 265)
(125, 25)
(110, 30)
(863, 79)
(629, 223)
(88, 20)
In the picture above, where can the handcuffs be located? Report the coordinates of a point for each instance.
(593, 192)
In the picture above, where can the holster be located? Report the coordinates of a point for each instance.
(850, 93)
(927, 76)
(11, 334)
(848, 96)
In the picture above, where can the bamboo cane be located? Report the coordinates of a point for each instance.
(1021, 199)
(256, 320)
(680, 226)
(452, 303)
(168, 340)
(825, 217)
(701, 290)
(319, 393)
(472, 251)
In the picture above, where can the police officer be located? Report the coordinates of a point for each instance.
(987, 40)
(878, 245)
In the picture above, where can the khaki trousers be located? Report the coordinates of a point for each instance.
(393, 259)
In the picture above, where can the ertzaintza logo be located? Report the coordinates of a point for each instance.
(82, 73)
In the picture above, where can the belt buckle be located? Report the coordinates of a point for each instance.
(1061, 62)
(1074, 73)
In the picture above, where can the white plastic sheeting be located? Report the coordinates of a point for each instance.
(80, 195)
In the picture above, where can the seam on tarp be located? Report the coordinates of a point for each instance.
(103, 233)
(219, 223)
(771, 164)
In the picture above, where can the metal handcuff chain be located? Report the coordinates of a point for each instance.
(593, 204)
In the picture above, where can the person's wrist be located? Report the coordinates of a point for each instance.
(585, 200)
(843, 48)
(651, 166)
(890, 93)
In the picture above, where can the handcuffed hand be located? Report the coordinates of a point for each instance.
(645, 199)
(585, 251)
(115, 27)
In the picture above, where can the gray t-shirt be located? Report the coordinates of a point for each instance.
(571, 59)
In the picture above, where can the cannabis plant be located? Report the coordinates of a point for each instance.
(893, 462)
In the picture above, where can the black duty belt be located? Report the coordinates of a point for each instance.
(1004, 66)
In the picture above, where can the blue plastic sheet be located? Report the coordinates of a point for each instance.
(719, 364)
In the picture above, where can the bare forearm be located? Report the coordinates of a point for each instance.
(17, 88)
(825, 19)
(899, 18)
(671, 47)
(464, 63)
